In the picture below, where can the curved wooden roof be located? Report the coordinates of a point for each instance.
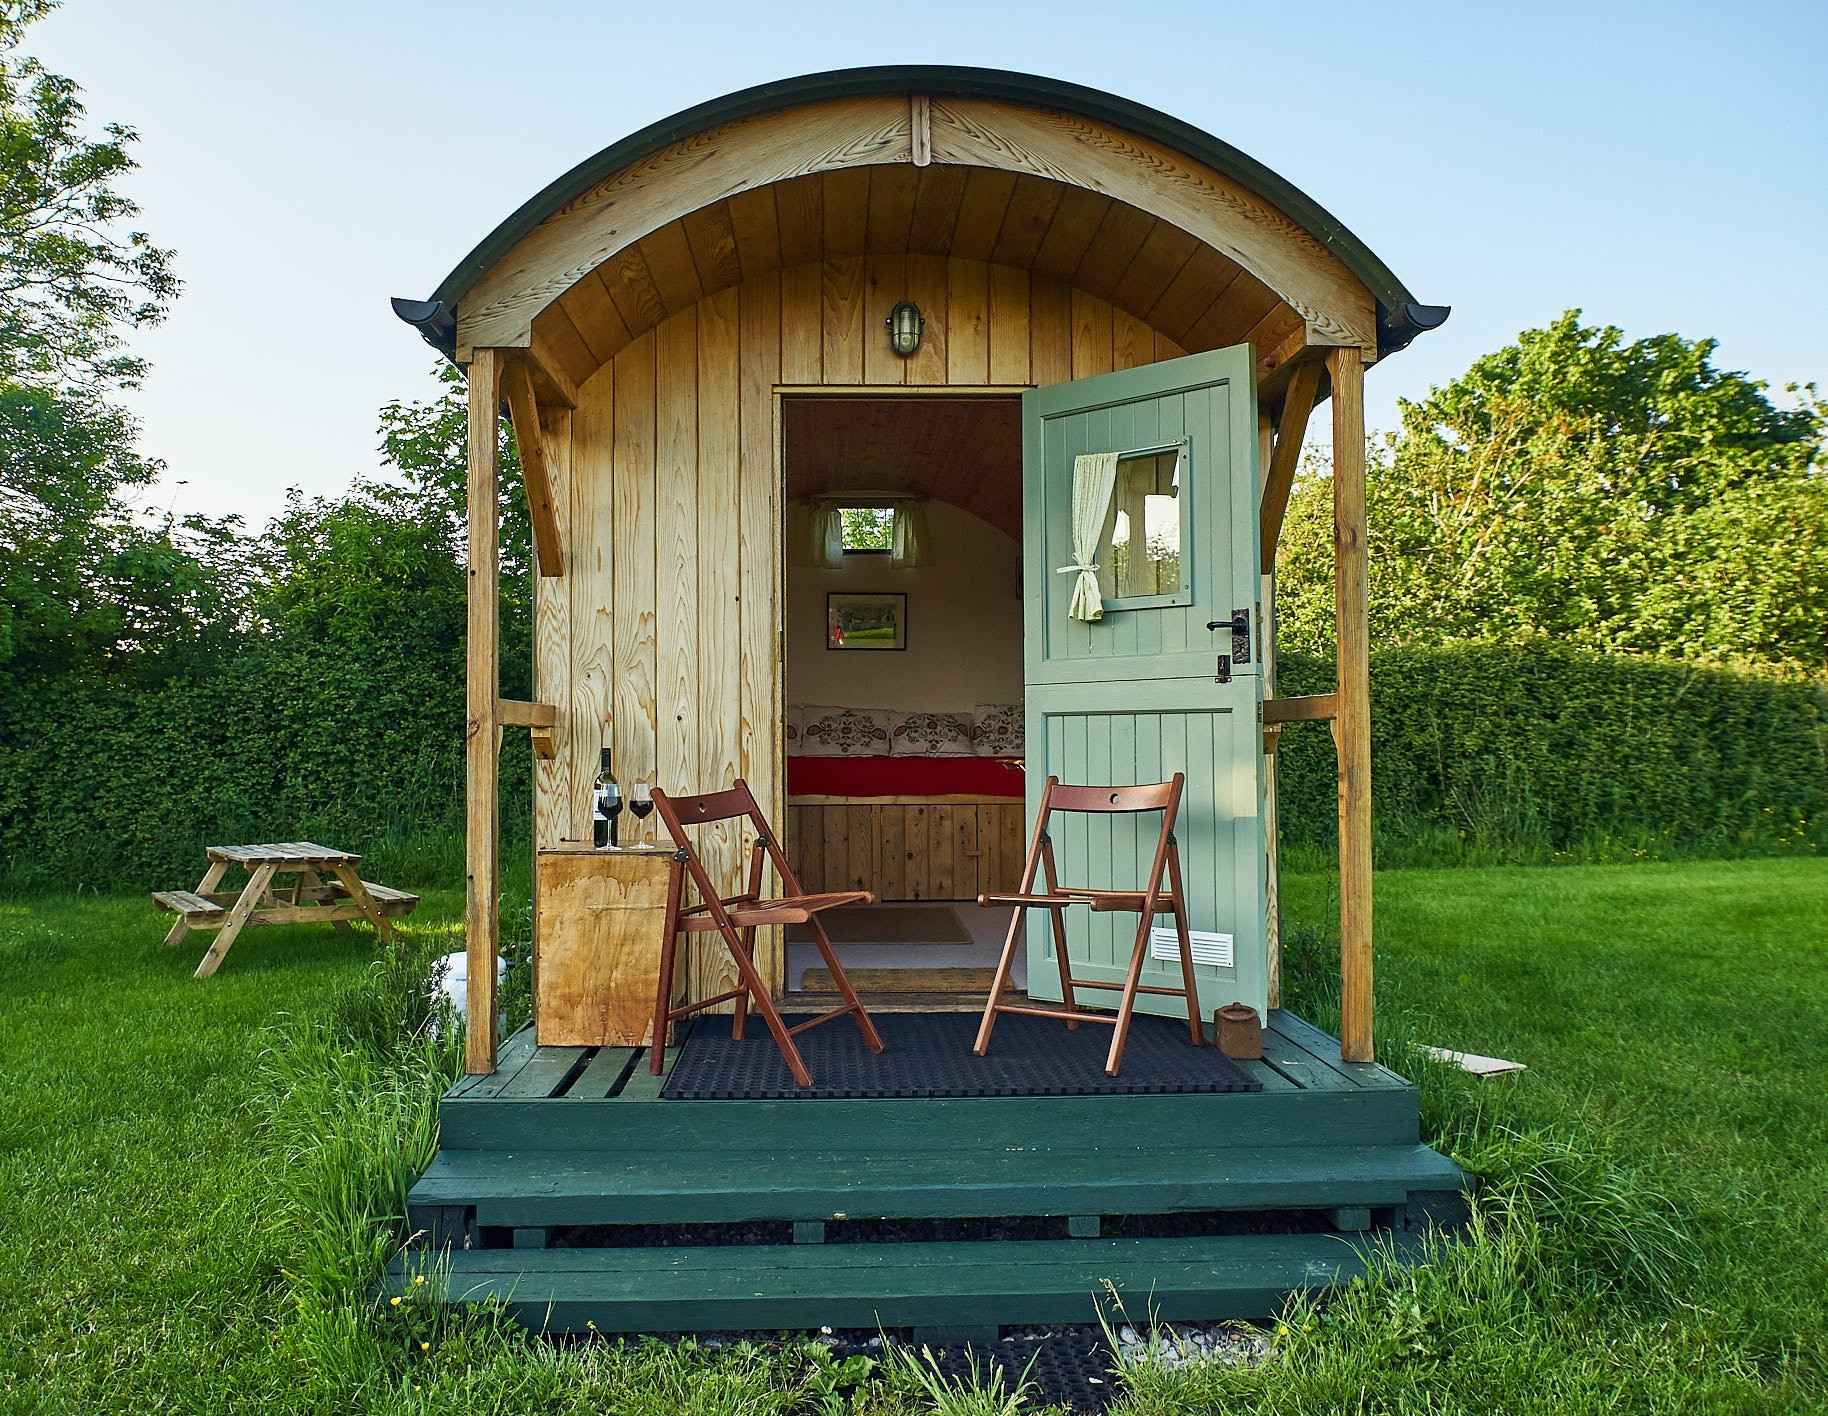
(1168, 222)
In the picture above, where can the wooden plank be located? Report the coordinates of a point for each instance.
(1352, 728)
(841, 319)
(1285, 459)
(1091, 335)
(585, 632)
(595, 316)
(633, 498)
(558, 351)
(514, 713)
(759, 572)
(552, 635)
(967, 321)
(1132, 341)
(1322, 1045)
(669, 261)
(893, 188)
(801, 317)
(1113, 248)
(847, 211)
(711, 234)
(966, 855)
(631, 287)
(757, 229)
(944, 1285)
(859, 846)
(678, 688)
(941, 852)
(1050, 330)
(1031, 211)
(482, 677)
(980, 214)
(545, 1071)
(719, 688)
(1009, 361)
(936, 204)
(800, 211)
(927, 289)
(884, 286)
(891, 852)
(514, 1054)
(1306, 708)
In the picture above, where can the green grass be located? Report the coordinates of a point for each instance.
(197, 1180)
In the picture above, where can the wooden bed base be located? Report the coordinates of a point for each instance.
(906, 848)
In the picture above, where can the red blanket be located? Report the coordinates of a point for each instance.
(904, 776)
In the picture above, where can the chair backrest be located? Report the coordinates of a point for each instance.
(705, 808)
(1155, 796)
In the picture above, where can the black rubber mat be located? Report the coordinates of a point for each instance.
(929, 1055)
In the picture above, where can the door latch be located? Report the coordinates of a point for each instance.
(1239, 625)
(1223, 675)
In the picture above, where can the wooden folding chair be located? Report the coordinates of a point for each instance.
(738, 917)
(1148, 902)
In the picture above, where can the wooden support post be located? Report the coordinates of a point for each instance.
(1352, 725)
(482, 815)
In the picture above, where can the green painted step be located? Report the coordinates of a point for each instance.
(895, 1285)
(636, 1121)
(529, 1188)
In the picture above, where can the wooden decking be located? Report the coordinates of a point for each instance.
(568, 1188)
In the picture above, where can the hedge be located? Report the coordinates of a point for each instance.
(1522, 748)
(1519, 751)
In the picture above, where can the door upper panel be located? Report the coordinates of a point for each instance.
(1178, 549)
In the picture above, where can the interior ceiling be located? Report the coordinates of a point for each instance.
(1151, 268)
(967, 451)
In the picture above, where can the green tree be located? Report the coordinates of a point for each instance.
(1628, 497)
(74, 276)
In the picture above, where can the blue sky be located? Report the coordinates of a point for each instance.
(1662, 166)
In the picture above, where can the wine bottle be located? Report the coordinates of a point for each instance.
(606, 805)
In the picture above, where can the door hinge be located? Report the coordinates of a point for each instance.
(1239, 625)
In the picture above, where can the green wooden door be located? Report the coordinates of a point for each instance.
(1136, 696)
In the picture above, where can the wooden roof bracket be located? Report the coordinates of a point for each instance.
(536, 474)
(1285, 457)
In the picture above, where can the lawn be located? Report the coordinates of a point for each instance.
(181, 1230)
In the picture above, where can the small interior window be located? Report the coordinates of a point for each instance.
(1145, 539)
(867, 529)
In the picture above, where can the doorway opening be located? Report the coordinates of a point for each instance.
(902, 685)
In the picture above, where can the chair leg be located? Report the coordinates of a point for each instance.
(1188, 981)
(1068, 999)
(765, 1006)
(742, 999)
(999, 982)
(871, 1038)
(1127, 1007)
(669, 949)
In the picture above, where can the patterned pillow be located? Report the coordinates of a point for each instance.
(930, 735)
(998, 730)
(844, 732)
(793, 731)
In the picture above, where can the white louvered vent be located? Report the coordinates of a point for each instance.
(1207, 947)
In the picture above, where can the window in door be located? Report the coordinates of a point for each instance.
(1144, 558)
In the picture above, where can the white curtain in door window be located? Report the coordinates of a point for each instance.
(909, 540)
(827, 538)
(1094, 475)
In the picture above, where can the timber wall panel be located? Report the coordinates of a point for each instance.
(666, 625)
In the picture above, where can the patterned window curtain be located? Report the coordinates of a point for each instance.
(827, 538)
(910, 542)
(1094, 475)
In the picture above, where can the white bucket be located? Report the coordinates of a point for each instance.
(450, 980)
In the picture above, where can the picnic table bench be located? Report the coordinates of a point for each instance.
(303, 896)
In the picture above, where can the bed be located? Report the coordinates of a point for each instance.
(906, 828)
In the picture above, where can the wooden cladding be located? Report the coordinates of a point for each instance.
(908, 850)
(662, 638)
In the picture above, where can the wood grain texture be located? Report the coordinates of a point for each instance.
(1016, 185)
(678, 563)
(631, 490)
(536, 473)
(598, 947)
(482, 814)
(552, 631)
(1352, 727)
(591, 623)
(1285, 458)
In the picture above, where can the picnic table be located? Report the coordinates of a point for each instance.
(285, 885)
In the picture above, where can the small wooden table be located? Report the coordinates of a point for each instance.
(597, 938)
(305, 898)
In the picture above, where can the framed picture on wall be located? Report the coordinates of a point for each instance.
(855, 621)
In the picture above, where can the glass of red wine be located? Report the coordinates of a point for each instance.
(640, 800)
